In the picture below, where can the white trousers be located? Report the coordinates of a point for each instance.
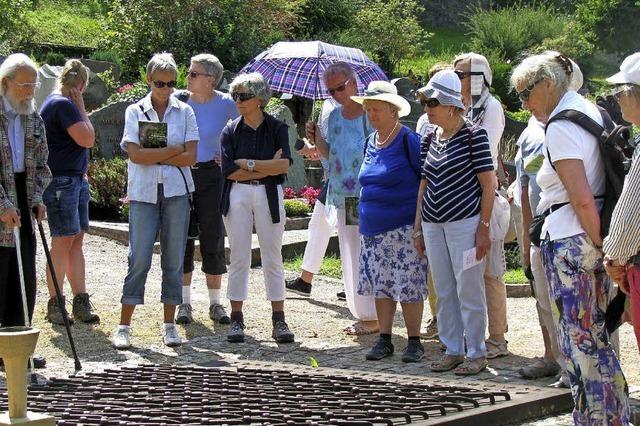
(361, 307)
(248, 205)
(319, 234)
(461, 303)
(543, 303)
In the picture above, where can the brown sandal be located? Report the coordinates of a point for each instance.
(471, 367)
(447, 363)
(359, 329)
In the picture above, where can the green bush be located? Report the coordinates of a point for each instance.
(13, 30)
(611, 25)
(106, 55)
(296, 208)
(129, 93)
(108, 179)
(388, 31)
(54, 58)
(60, 24)
(521, 115)
(510, 31)
(323, 19)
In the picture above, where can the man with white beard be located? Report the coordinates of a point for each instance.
(24, 175)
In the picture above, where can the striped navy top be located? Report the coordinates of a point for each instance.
(453, 191)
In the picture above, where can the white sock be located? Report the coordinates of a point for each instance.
(186, 294)
(214, 296)
(166, 325)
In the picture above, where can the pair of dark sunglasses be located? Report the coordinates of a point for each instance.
(524, 95)
(462, 74)
(195, 74)
(160, 84)
(242, 97)
(429, 103)
(339, 88)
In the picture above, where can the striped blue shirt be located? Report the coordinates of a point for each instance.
(453, 191)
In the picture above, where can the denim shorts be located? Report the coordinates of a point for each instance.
(67, 201)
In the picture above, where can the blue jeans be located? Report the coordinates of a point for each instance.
(67, 201)
(461, 303)
(169, 216)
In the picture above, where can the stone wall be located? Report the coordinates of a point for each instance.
(447, 13)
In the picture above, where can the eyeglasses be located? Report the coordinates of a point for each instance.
(28, 85)
(462, 74)
(524, 95)
(339, 88)
(242, 97)
(160, 84)
(195, 74)
(429, 103)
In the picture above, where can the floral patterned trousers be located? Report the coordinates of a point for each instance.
(580, 291)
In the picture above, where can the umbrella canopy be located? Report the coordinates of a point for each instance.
(297, 67)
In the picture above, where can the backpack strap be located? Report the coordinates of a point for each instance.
(144, 112)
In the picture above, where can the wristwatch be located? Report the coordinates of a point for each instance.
(250, 165)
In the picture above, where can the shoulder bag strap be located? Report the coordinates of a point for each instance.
(405, 146)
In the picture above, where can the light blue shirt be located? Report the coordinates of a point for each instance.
(212, 117)
(16, 136)
(181, 127)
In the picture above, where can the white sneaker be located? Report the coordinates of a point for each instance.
(121, 338)
(170, 335)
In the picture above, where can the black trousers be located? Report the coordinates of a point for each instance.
(208, 180)
(11, 313)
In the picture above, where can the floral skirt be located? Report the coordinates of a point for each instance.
(391, 268)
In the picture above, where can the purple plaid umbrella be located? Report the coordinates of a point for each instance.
(296, 67)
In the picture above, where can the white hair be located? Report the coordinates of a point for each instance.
(162, 62)
(547, 65)
(11, 65)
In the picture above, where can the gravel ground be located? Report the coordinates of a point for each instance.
(317, 323)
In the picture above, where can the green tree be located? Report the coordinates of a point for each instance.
(234, 30)
(323, 19)
(13, 29)
(611, 25)
(388, 31)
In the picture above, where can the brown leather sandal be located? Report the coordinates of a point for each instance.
(447, 363)
(471, 367)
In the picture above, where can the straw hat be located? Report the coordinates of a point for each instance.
(386, 92)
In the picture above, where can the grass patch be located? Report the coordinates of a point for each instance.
(331, 266)
(515, 276)
(443, 45)
(63, 26)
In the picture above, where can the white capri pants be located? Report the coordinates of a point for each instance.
(248, 205)
(319, 234)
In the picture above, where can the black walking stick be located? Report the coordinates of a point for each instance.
(65, 315)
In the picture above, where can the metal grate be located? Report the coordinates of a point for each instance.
(164, 394)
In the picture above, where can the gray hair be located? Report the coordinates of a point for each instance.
(629, 90)
(162, 62)
(339, 68)
(211, 65)
(547, 65)
(253, 83)
(11, 65)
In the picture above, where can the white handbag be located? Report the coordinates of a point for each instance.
(500, 218)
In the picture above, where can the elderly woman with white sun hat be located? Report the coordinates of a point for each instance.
(391, 269)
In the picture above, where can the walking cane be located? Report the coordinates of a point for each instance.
(23, 292)
(59, 300)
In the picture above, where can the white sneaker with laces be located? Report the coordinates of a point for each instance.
(170, 335)
(121, 338)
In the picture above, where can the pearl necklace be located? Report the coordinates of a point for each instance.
(380, 144)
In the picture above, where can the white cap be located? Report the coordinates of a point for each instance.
(629, 71)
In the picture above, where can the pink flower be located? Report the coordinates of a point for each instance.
(124, 200)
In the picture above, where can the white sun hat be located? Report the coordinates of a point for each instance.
(629, 71)
(444, 86)
(387, 92)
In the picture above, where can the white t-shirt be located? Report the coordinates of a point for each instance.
(493, 123)
(566, 140)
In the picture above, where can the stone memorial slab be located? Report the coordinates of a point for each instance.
(108, 123)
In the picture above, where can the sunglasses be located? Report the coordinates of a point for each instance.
(196, 74)
(339, 88)
(524, 95)
(429, 103)
(462, 74)
(160, 84)
(242, 97)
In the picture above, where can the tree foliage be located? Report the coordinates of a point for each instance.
(611, 25)
(12, 25)
(234, 30)
(323, 19)
(387, 30)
